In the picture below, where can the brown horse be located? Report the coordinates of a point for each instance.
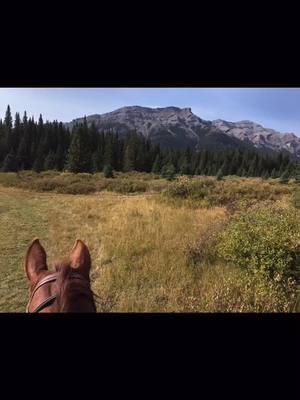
(65, 290)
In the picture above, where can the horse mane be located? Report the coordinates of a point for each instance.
(72, 293)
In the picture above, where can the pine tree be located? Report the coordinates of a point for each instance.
(38, 164)
(168, 172)
(49, 161)
(108, 171)
(8, 122)
(203, 161)
(129, 159)
(79, 157)
(157, 165)
(16, 132)
(185, 168)
(22, 154)
(97, 164)
(10, 163)
(59, 159)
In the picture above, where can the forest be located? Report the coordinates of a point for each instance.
(26, 144)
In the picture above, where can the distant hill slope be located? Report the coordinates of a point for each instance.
(179, 127)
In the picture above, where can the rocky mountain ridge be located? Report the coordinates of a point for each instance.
(179, 127)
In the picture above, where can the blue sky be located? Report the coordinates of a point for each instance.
(276, 108)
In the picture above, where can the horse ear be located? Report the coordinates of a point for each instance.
(81, 259)
(35, 260)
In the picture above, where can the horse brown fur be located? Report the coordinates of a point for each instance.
(72, 295)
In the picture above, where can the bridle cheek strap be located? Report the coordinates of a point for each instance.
(50, 300)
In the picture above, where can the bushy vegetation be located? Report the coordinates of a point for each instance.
(266, 239)
(230, 191)
(226, 288)
(82, 183)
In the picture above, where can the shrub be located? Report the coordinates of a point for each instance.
(127, 186)
(264, 240)
(108, 171)
(185, 187)
(42, 185)
(224, 288)
(77, 188)
(208, 192)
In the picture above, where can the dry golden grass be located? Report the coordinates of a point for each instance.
(139, 252)
(137, 245)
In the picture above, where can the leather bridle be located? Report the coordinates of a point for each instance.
(50, 300)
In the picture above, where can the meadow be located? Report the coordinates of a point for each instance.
(188, 245)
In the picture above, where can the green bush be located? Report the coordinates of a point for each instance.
(265, 240)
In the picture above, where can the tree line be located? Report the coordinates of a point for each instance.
(26, 144)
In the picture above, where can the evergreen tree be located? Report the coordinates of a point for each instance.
(108, 171)
(59, 159)
(16, 132)
(157, 165)
(168, 172)
(22, 154)
(185, 168)
(8, 122)
(49, 161)
(38, 164)
(10, 163)
(79, 157)
(129, 159)
(97, 161)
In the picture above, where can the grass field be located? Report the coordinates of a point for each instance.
(142, 243)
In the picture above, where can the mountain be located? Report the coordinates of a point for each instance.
(259, 136)
(170, 127)
(180, 127)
